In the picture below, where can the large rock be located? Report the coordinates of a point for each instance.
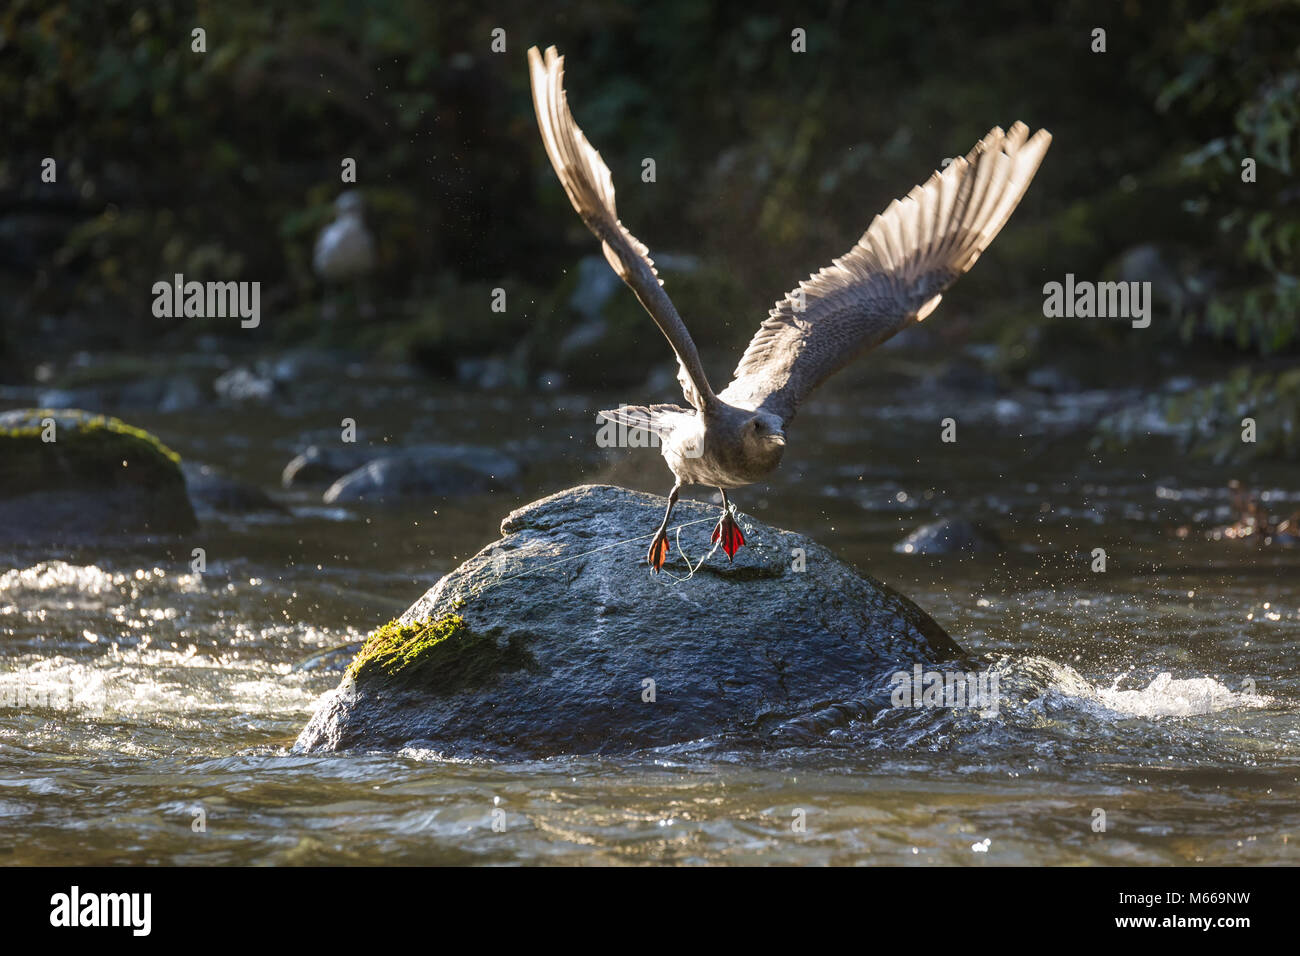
(97, 477)
(544, 641)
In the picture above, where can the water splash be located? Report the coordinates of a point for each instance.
(1167, 696)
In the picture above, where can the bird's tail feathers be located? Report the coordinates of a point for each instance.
(656, 419)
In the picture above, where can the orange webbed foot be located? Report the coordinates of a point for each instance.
(658, 552)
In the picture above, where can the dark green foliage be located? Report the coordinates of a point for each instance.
(1215, 415)
(769, 163)
(1236, 77)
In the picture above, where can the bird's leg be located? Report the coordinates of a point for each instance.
(365, 299)
(329, 308)
(658, 552)
(728, 530)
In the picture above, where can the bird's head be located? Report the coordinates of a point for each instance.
(350, 203)
(764, 439)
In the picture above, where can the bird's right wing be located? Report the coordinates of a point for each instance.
(893, 277)
(586, 179)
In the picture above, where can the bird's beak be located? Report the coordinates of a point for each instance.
(777, 439)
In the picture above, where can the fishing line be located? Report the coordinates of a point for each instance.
(731, 510)
(679, 580)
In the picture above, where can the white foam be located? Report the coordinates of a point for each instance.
(1167, 697)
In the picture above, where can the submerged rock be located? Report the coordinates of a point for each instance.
(426, 472)
(556, 639)
(211, 490)
(950, 536)
(97, 477)
(176, 393)
(596, 284)
(323, 465)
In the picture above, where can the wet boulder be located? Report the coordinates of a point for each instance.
(557, 639)
(68, 476)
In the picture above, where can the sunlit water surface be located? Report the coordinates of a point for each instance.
(1161, 692)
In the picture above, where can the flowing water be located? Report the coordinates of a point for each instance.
(1158, 697)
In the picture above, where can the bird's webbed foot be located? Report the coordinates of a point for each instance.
(728, 532)
(658, 552)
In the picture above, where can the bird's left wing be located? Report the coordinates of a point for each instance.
(591, 190)
(894, 276)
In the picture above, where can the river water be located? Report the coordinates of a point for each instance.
(1151, 713)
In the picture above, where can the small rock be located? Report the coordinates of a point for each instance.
(322, 465)
(1048, 378)
(596, 285)
(489, 373)
(210, 490)
(582, 340)
(432, 471)
(181, 393)
(244, 385)
(1152, 263)
(969, 377)
(950, 536)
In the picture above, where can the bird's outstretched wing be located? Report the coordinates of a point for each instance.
(591, 190)
(894, 276)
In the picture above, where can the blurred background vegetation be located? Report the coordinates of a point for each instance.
(224, 165)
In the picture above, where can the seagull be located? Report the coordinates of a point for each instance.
(345, 249)
(894, 276)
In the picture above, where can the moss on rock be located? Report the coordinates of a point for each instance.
(394, 647)
(97, 476)
(84, 445)
(436, 654)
